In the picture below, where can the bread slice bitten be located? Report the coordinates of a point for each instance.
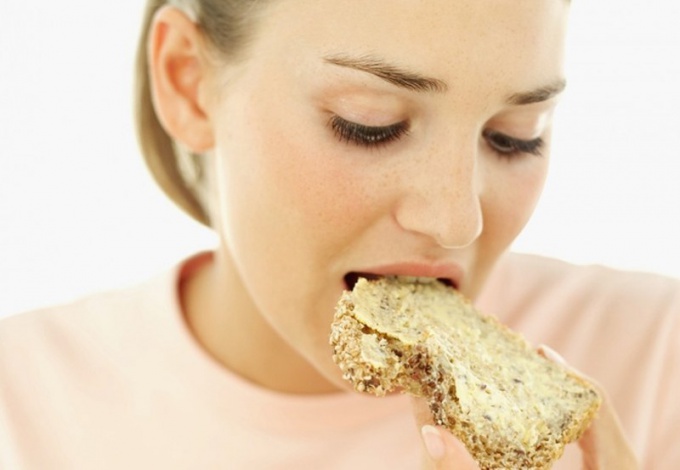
(511, 407)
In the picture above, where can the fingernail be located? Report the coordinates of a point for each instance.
(551, 354)
(434, 443)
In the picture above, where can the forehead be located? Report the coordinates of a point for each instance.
(517, 42)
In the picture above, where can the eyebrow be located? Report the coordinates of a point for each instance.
(538, 95)
(415, 82)
(390, 73)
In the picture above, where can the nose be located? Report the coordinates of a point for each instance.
(441, 198)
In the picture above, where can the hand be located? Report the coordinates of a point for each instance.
(441, 449)
(603, 445)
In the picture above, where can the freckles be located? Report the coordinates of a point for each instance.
(522, 200)
(309, 181)
(335, 197)
(319, 190)
(510, 204)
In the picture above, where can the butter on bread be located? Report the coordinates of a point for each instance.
(511, 407)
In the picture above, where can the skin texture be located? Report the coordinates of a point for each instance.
(296, 208)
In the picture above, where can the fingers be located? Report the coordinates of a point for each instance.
(433, 442)
(603, 445)
(441, 449)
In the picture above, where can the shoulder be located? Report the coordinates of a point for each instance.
(587, 307)
(37, 323)
(111, 326)
(522, 280)
(78, 314)
(94, 326)
(619, 326)
(553, 271)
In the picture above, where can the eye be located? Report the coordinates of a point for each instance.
(508, 147)
(367, 136)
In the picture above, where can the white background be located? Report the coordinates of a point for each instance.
(79, 213)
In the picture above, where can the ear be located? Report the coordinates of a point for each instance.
(178, 76)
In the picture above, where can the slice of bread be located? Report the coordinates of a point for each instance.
(511, 407)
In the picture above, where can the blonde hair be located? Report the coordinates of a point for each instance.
(227, 26)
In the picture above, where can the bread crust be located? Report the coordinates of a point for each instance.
(511, 407)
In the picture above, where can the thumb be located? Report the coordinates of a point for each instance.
(441, 448)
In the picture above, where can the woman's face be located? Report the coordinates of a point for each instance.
(383, 137)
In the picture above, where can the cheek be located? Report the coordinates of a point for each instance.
(290, 209)
(289, 199)
(318, 192)
(520, 193)
(508, 203)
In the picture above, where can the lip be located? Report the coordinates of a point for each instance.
(450, 272)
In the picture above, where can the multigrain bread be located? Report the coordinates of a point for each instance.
(511, 408)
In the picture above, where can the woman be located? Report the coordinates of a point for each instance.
(320, 140)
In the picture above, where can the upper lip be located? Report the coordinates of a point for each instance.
(446, 271)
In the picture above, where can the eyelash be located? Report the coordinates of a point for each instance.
(509, 147)
(374, 136)
(367, 136)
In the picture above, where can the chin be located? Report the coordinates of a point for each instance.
(330, 372)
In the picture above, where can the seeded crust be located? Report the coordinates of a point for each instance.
(512, 408)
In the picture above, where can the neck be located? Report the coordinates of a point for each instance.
(225, 321)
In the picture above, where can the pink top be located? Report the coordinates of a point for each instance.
(117, 380)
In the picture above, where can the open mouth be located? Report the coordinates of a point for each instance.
(351, 279)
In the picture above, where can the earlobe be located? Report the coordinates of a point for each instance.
(177, 72)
